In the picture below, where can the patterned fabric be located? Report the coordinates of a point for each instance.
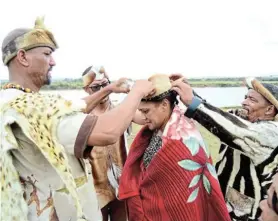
(248, 158)
(154, 146)
(27, 39)
(107, 164)
(179, 183)
(37, 116)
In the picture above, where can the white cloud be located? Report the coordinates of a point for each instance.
(138, 38)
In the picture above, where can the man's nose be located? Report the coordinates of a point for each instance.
(244, 102)
(52, 62)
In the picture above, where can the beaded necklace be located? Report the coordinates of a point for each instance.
(17, 86)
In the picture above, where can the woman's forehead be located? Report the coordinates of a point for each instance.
(145, 105)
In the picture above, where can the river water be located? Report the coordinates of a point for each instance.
(217, 96)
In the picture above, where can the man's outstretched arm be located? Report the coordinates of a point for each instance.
(80, 132)
(111, 125)
(255, 140)
(93, 100)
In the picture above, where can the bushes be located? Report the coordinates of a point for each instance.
(68, 83)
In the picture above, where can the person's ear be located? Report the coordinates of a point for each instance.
(165, 104)
(22, 58)
(270, 110)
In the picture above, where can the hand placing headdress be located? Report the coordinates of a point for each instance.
(162, 85)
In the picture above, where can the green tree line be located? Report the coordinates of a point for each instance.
(69, 83)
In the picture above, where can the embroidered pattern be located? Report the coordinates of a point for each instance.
(194, 146)
(186, 131)
(152, 149)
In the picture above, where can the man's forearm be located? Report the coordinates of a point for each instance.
(218, 122)
(139, 118)
(256, 140)
(93, 100)
(117, 120)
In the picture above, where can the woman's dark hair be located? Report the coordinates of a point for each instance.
(171, 96)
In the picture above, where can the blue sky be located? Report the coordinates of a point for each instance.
(138, 38)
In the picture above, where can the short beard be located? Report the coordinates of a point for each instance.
(47, 80)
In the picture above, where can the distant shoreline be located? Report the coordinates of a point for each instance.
(195, 84)
(75, 84)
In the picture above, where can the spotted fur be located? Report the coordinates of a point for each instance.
(38, 116)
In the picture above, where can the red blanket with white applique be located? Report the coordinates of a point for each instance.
(180, 182)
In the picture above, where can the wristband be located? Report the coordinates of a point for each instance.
(192, 107)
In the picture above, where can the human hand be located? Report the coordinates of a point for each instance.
(144, 87)
(176, 76)
(182, 87)
(119, 86)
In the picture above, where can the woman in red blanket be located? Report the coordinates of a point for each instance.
(168, 175)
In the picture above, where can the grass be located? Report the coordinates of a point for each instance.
(211, 141)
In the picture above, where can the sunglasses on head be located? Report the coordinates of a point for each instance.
(95, 88)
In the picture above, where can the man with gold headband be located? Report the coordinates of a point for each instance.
(107, 161)
(248, 156)
(45, 138)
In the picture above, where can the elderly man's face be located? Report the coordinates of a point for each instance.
(156, 114)
(40, 64)
(255, 105)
